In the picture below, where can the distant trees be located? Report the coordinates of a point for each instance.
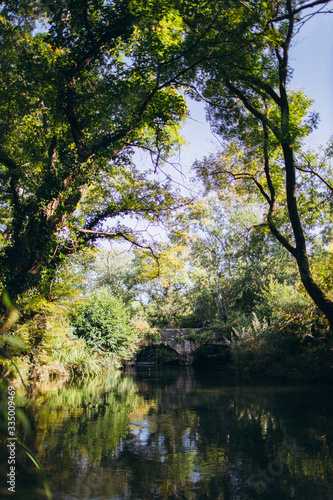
(163, 286)
(219, 265)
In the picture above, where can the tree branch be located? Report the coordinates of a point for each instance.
(311, 171)
(300, 9)
(13, 168)
(255, 111)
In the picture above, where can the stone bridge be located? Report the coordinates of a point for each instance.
(186, 341)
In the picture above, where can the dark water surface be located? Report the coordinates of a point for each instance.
(180, 433)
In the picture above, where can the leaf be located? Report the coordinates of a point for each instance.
(14, 341)
(35, 460)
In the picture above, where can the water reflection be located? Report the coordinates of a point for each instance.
(182, 434)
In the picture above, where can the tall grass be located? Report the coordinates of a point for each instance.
(81, 362)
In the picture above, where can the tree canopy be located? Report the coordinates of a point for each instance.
(83, 84)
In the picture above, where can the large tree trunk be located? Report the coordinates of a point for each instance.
(300, 253)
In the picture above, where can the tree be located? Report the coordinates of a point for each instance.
(208, 230)
(82, 85)
(249, 101)
(233, 256)
(163, 286)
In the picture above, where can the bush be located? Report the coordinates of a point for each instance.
(282, 299)
(200, 336)
(104, 323)
(298, 348)
(146, 331)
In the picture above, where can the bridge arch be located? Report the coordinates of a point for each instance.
(211, 353)
(157, 354)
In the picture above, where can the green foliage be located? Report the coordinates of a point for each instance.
(43, 345)
(103, 322)
(280, 299)
(82, 85)
(252, 331)
(154, 335)
(200, 336)
(294, 346)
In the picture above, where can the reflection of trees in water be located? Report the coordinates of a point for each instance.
(83, 427)
(172, 434)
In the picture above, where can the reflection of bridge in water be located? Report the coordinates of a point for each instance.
(186, 341)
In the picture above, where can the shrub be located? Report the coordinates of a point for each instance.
(200, 336)
(282, 299)
(298, 348)
(104, 323)
(146, 331)
(253, 330)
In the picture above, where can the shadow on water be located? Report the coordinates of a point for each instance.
(180, 433)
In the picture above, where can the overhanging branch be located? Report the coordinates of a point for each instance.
(299, 9)
(251, 108)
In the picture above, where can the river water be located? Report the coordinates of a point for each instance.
(179, 433)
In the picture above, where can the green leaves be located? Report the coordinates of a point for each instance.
(104, 324)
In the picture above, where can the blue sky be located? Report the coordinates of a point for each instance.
(312, 60)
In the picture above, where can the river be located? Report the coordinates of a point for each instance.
(179, 433)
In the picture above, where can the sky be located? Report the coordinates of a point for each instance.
(312, 61)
